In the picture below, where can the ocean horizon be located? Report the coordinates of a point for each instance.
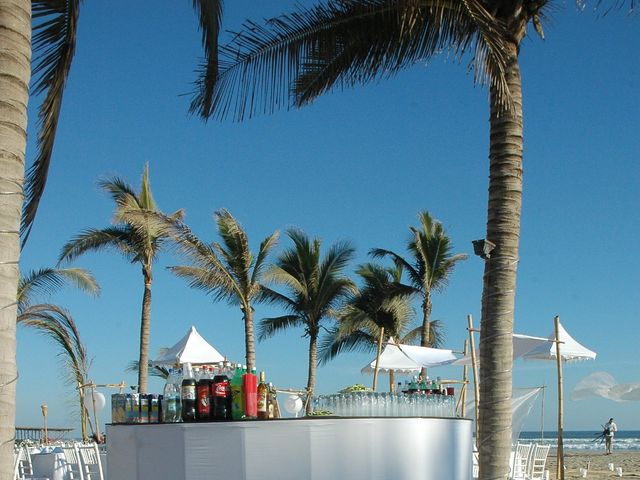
(581, 441)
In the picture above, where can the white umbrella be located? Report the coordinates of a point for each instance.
(191, 348)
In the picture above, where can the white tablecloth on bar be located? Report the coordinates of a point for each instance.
(301, 449)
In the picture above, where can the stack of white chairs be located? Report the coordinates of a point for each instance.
(538, 462)
(72, 459)
(521, 459)
(89, 454)
(23, 468)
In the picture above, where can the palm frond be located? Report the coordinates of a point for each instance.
(154, 370)
(214, 282)
(118, 237)
(210, 14)
(121, 193)
(268, 327)
(334, 344)
(296, 57)
(272, 297)
(265, 247)
(49, 280)
(54, 43)
(58, 325)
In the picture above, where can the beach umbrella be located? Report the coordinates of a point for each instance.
(560, 347)
(191, 348)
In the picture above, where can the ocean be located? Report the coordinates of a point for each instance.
(585, 441)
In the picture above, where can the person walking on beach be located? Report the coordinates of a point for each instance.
(609, 429)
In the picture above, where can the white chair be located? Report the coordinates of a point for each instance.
(520, 461)
(538, 462)
(72, 459)
(23, 467)
(91, 463)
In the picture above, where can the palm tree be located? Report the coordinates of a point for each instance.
(430, 266)
(137, 238)
(296, 57)
(54, 40)
(381, 308)
(57, 324)
(226, 270)
(316, 287)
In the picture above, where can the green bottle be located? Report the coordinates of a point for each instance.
(237, 397)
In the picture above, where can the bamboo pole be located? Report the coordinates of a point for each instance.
(560, 462)
(465, 379)
(379, 350)
(474, 367)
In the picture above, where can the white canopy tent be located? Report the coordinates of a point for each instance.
(560, 347)
(191, 348)
(522, 344)
(570, 349)
(409, 358)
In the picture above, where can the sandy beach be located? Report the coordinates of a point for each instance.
(598, 465)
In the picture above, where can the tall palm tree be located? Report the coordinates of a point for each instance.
(57, 324)
(54, 40)
(137, 238)
(316, 287)
(293, 59)
(380, 309)
(226, 270)
(431, 264)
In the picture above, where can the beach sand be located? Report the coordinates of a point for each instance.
(598, 465)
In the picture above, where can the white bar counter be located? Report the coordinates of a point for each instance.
(317, 448)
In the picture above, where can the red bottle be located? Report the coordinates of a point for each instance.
(250, 390)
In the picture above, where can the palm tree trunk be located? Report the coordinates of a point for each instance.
(15, 71)
(145, 331)
(311, 377)
(249, 342)
(425, 334)
(498, 296)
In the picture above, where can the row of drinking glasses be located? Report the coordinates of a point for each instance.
(372, 404)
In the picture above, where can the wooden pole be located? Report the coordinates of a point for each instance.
(392, 381)
(560, 462)
(474, 368)
(465, 379)
(379, 350)
(95, 415)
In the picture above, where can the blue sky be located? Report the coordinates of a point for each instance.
(356, 165)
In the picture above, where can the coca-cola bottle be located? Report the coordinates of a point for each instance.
(221, 397)
(188, 391)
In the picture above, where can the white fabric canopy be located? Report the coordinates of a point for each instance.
(522, 401)
(522, 344)
(192, 348)
(409, 358)
(602, 384)
(570, 349)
